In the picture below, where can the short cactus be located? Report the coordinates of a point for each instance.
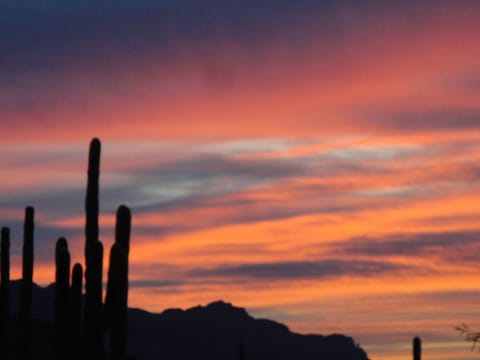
(417, 348)
(117, 289)
(76, 311)
(62, 299)
(4, 291)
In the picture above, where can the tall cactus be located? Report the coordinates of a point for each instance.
(93, 260)
(116, 303)
(25, 349)
(417, 348)
(62, 299)
(4, 291)
(76, 311)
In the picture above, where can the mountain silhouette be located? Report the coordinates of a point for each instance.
(218, 331)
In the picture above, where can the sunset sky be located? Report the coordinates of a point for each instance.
(316, 162)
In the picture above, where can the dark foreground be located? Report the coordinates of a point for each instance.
(218, 331)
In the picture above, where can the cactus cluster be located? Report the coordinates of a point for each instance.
(70, 342)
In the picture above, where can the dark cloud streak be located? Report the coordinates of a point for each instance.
(299, 270)
(454, 247)
(49, 34)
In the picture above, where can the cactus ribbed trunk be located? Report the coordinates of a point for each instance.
(93, 260)
(4, 292)
(76, 311)
(417, 348)
(62, 300)
(116, 303)
(24, 346)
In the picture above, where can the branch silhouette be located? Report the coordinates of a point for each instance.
(469, 335)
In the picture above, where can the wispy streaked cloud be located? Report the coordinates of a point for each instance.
(455, 248)
(282, 271)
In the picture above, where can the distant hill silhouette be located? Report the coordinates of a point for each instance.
(212, 332)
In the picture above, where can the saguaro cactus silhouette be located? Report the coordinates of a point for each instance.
(417, 348)
(24, 346)
(93, 260)
(62, 299)
(76, 311)
(69, 343)
(116, 302)
(4, 291)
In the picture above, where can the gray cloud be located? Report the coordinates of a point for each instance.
(194, 182)
(210, 181)
(50, 200)
(435, 119)
(164, 276)
(220, 165)
(48, 35)
(146, 283)
(201, 181)
(45, 238)
(445, 219)
(222, 183)
(466, 82)
(301, 270)
(167, 184)
(456, 247)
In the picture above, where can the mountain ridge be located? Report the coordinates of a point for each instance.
(215, 331)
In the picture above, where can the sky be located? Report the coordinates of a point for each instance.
(315, 162)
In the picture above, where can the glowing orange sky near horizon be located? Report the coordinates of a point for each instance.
(334, 188)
